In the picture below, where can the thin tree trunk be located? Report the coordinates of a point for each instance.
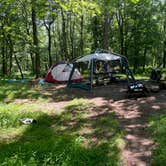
(120, 21)
(49, 45)
(144, 59)
(106, 31)
(72, 30)
(81, 35)
(4, 59)
(164, 55)
(164, 47)
(10, 44)
(4, 65)
(32, 62)
(64, 37)
(18, 65)
(48, 28)
(35, 40)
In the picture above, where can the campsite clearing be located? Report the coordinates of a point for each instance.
(77, 127)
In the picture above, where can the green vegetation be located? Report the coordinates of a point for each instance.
(158, 130)
(36, 34)
(75, 137)
(11, 91)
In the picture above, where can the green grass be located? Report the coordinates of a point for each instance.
(158, 130)
(11, 91)
(75, 137)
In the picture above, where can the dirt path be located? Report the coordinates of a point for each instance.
(133, 115)
(134, 120)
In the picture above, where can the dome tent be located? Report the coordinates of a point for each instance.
(60, 73)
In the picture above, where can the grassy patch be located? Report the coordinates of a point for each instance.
(158, 130)
(11, 91)
(141, 77)
(58, 139)
(81, 134)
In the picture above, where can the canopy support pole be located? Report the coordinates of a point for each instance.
(71, 74)
(91, 74)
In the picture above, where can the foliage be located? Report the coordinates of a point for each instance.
(68, 29)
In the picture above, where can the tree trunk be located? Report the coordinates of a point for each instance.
(4, 65)
(4, 59)
(164, 47)
(81, 35)
(48, 28)
(106, 31)
(18, 65)
(64, 37)
(96, 33)
(144, 59)
(120, 21)
(72, 30)
(164, 55)
(49, 45)
(10, 44)
(35, 40)
(32, 62)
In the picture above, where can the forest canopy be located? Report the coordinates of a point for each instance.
(34, 34)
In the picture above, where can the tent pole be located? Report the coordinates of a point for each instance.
(91, 75)
(71, 74)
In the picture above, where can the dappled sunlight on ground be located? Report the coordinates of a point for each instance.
(92, 116)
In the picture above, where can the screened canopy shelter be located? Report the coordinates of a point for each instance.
(93, 59)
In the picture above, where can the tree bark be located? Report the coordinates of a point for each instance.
(64, 37)
(81, 35)
(106, 31)
(164, 55)
(18, 65)
(35, 40)
(10, 44)
(49, 45)
(72, 30)
(120, 21)
(4, 59)
(144, 59)
(48, 27)
(4, 65)
(164, 47)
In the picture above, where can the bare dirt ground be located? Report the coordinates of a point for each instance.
(133, 115)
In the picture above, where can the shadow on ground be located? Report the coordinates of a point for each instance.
(134, 116)
(77, 137)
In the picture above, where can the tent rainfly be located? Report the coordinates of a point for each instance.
(99, 56)
(60, 73)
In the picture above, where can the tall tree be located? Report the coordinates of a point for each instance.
(35, 39)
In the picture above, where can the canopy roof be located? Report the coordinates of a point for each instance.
(99, 56)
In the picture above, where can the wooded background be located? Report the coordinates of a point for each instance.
(34, 34)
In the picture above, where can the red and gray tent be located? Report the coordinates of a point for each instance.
(60, 73)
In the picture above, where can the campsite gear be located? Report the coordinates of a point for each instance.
(155, 74)
(43, 82)
(133, 85)
(16, 80)
(28, 120)
(93, 59)
(137, 88)
(163, 84)
(60, 73)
